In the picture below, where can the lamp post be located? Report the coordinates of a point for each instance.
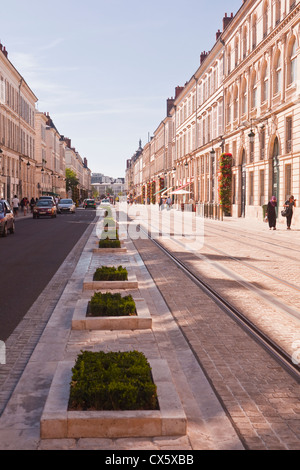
(251, 135)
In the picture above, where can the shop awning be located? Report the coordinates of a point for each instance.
(181, 187)
(167, 190)
(159, 191)
(180, 191)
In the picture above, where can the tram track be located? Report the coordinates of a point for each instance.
(256, 333)
(267, 242)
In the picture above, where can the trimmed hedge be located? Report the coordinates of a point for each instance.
(111, 234)
(109, 243)
(112, 381)
(106, 273)
(111, 305)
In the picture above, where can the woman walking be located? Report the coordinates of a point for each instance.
(271, 212)
(289, 204)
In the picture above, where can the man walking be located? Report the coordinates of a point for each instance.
(15, 203)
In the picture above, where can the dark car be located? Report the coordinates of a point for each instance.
(7, 219)
(44, 208)
(89, 204)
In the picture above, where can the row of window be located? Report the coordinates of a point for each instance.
(232, 99)
(11, 97)
(287, 190)
(12, 137)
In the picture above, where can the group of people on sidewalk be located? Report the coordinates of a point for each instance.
(287, 212)
(24, 204)
(167, 201)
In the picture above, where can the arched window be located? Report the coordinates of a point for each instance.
(277, 11)
(292, 62)
(236, 52)
(235, 103)
(229, 60)
(264, 83)
(254, 32)
(277, 73)
(253, 91)
(244, 97)
(228, 103)
(265, 19)
(244, 42)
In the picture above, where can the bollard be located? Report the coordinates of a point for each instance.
(2, 353)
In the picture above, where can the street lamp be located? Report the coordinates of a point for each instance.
(251, 135)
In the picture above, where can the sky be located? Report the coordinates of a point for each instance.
(105, 69)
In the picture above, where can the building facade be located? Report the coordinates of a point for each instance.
(32, 151)
(244, 99)
(17, 132)
(79, 166)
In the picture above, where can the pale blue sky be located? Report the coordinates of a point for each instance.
(104, 69)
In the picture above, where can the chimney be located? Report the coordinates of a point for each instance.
(203, 56)
(5, 52)
(226, 20)
(218, 34)
(178, 90)
(170, 104)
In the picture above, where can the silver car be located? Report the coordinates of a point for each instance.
(66, 205)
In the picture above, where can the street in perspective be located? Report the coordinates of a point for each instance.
(150, 299)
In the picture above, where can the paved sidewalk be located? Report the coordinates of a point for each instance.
(208, 425)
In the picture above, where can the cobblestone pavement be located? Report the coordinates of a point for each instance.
(234, 394)
(260, 397)
(208, 425)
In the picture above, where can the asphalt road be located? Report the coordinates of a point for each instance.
(30, 258)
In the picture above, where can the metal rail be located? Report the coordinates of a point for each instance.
(276, 352)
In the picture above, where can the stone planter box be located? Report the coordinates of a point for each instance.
(90, 284)
(59, 423)
(104, 251)
(140, 321)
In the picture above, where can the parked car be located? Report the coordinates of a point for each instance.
(47, 198)
(66, 205)
(89, 204)
(105, 202)
(7, 219)
(44, 207)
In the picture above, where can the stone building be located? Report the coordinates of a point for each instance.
(17, 132)
(244, 99)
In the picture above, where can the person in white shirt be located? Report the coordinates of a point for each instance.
(15, 203)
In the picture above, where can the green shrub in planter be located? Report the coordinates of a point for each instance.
(112, 381)
(111, 305)
(109, 243)
(107, 273)
(111, 234)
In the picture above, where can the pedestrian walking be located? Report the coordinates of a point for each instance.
(289, 205)
(161, 204)
(271, 212)
(25, 207)
(32, 204)
(169, 203)
(15, 203)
